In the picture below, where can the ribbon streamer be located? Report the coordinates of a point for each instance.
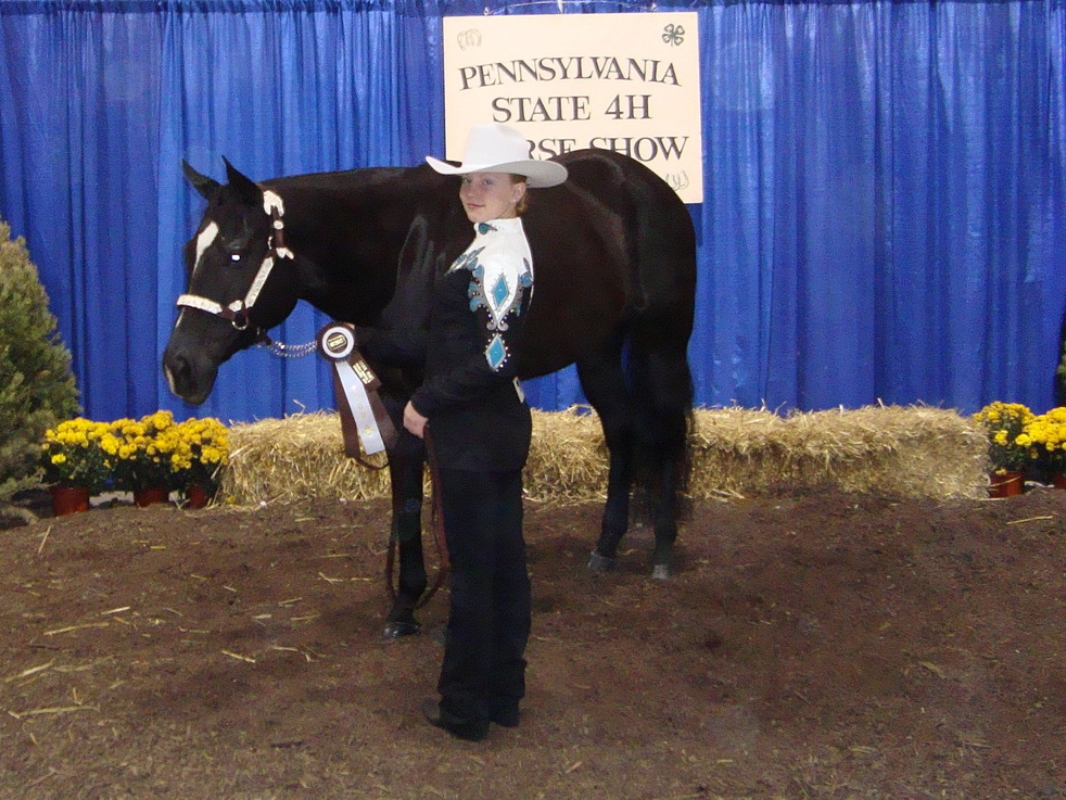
(363, 417)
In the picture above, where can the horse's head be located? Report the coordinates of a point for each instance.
(239, 281)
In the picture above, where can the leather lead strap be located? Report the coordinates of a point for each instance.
(367, 427)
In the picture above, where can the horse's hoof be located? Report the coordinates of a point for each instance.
(399, 628)
(598, 563)
(661, 572)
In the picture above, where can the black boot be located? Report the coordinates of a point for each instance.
(460, 728)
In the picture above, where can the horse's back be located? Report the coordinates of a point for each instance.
(655, 224)
(613, 247)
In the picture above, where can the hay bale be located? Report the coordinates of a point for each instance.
(567, 457)
(281, 460)
(912, 451)
(908, 451)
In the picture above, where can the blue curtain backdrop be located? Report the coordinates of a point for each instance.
(885, 216)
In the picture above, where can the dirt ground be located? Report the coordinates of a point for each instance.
(824, 646)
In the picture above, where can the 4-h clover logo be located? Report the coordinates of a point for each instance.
(674, 35)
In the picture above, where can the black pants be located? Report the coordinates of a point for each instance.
(483, 673)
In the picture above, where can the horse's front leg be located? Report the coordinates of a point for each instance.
(405, 473)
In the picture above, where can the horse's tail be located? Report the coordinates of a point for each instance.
(662, 258)
(657, 244)
(661, 396)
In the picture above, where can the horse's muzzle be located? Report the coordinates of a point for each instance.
(191, 382)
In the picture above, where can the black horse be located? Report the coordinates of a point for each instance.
(614, 255)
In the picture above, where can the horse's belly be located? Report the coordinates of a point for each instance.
(533, 363)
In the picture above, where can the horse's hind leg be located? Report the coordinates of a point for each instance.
(603, 382)
(663, 412)
(405, 473)
(665, 518)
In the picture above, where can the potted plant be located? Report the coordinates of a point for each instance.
(144, 456)
(202, 451)
(1048, 434)
(1009, 445)
(78, 456)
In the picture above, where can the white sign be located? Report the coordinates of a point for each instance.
(623, 82)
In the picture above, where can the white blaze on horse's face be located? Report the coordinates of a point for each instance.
(203, 241)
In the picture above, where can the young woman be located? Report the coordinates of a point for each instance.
(480, 426)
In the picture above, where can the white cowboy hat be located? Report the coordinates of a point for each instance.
(498, 148)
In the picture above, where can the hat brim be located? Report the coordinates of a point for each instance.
(538, 174)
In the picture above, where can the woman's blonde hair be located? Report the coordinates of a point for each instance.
(522, 205)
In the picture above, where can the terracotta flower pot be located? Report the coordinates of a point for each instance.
(148, 495)
(68, 499)
(1009, 483)
(197, 496)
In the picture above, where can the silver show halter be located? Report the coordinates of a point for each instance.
(237, 312)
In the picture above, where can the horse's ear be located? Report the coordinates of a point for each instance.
(245, 187)
(201, 183)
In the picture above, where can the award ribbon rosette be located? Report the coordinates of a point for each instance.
(363, 416)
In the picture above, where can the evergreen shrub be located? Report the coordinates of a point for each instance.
(37, 388)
